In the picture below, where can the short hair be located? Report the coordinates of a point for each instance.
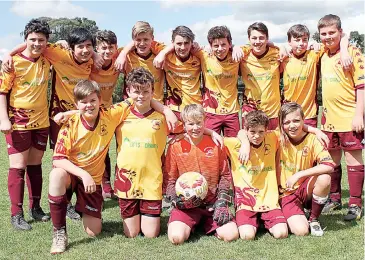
(297, 30)
(105, 36)
(329, 20)
(139, 78)
(37, 26)
(218, 32)
(183, 31)
(258, 26)
(141, 27)
(85, 88)
(79, 35)
(256, 118)
(193, 112)
(286, 109)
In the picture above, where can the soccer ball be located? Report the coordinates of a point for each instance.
(190, 184)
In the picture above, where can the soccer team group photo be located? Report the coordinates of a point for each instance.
(189, 144)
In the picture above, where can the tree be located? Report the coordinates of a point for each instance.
(61, 27)
(118, 91)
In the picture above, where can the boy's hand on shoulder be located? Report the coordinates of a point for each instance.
(98, 61)
(217, 139)
(346, 60)
(7, 65)
(358, 124)
(120, 62)
(5, 126)
(244, 153)
(63, 43)
(159, 60)
(237, 54)
(195, 48)
(89, 183)
(322, 138)
(292, 180)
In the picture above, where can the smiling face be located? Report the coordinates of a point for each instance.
(106, 50)
(83, 51)
(299, 44)
(256, 135)
(330, 37)
(141, 95)
(36, 44)
(293, 125)
(194, 128)
(258, 42)
(220, 48)
(182, 46)
(143, 42)
(89, 107)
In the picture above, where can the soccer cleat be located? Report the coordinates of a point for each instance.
(354, 213)
(19, 222)
(315, 228)
(59, 242)
(331, 206)
(38, 214)
(71, 213)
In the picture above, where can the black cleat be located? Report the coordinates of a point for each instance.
(19, 222)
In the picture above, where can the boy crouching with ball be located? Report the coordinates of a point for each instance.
(197, 152)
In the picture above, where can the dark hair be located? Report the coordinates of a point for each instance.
(79, 35)
(286, 109)
(297, 31)
(217, 32)
(106, 36)
(256, 118)
(329, 20)
(139, 78)
(183, 31)
(37, 26)
(258, 26)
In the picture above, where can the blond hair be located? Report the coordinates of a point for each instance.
(285, 110)
(85, 88)
(193, 112)
(141, 27)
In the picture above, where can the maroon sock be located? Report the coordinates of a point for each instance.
(356, 183)
(58, 209)
(16, 190)
(106, 176)
(34, 184)
(316, 209)
(336, 175)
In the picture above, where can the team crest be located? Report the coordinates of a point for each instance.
(305, 151)
(103, 130)
(156, 124)
(267, 148)
(209, 152)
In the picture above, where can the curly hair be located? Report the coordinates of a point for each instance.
(37, 26)
(139, 78)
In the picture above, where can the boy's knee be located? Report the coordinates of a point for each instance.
(279, 234)
(151, 233)
(177, 239)
(324, 180)
(93, 233)
(57, 175)
(300, 231)
(229, 236)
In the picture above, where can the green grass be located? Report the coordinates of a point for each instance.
(342, 240)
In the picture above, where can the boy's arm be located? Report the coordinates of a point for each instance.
(159, 60)
(346, 59)
(98, 61)
(314, 171)
(322, 137)
(7, 65)
(217, 138)
(122, 57)
(5, 124)
(62, 117)
(171, 119)
(244, 152)
(87, 180)
(358, 121)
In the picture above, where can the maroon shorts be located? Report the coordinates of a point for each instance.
(133, 207)
(348, 141)
(311, 122)
(194, 217)
(21, 140)
(228, 124)
(270, 218)
(53, 133)
(295, 203)
(87, 203)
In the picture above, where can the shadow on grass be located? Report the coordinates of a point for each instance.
(110, 203)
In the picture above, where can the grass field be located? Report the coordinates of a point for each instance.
(342, 240)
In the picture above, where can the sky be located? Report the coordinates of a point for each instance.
(164, 16)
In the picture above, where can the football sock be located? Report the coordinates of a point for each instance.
(34, 184)
(317, 206)
(16, 190)
(106, 176)
(58, 208)
(356, 183)
(335, 192)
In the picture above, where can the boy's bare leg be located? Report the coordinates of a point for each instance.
(247, 232)
(132, 226)
(228, 232)
(92, 225)
(150, 226)
(178, 232)
(279, 231)
(298, 225)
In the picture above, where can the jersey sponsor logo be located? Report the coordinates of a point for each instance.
(181, 75)
(209, 152)
(139, 143)
(72, 81)
(305, 151)
(261, 76)
(219, 76)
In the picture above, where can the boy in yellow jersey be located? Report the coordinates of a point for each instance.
(182, 70)
(24, 121)
(198, 153)
(343, 114)
(300, 72)
(305, 167)
(138, 54)
(255, 182)
(78, 161)
(261, 75)
(106, 77)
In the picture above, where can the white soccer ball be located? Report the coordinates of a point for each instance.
(190, 184)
